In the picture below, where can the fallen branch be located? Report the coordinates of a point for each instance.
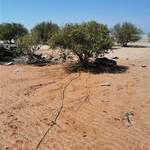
(53, 122)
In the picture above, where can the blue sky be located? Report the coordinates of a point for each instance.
(110, 12)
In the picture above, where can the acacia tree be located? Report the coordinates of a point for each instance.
(43, 31)
(84, 40)
(125, 33)
(11, 31)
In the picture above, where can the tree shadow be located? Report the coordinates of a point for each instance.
(38, 64)
(97, 69)
(137, 46)
(115, 48)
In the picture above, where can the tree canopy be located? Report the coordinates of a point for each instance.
(85, 40)
(44, 31)
(11, 31)
(125, 33)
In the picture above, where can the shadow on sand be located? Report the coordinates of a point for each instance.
(97, 69)
(137, 46)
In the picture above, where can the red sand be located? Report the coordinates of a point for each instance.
(92, 116)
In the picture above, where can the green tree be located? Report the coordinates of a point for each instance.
(125, 33)
(84, 40)
(44, 31)
(11, 31)
(148, 36)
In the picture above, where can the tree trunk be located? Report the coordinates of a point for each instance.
(125, 45)
(83, 62)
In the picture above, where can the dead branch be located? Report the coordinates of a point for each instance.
(53, 122)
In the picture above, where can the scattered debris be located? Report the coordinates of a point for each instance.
(8, 64)
(143, 66)
(126, 116)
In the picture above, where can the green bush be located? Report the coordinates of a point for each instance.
(84, 40)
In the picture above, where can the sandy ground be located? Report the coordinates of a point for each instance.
(92, 117)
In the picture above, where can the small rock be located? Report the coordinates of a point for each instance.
(84, 134)
(8, 64)
(18, 70)
(143, 66)
(115, 57)
(106, 84)
(104, 111)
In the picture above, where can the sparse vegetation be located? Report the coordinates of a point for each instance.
(87, 40)
(125, 33)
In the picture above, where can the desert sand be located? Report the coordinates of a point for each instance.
(92, 116)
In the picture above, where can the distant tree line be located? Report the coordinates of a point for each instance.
(86, 40)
